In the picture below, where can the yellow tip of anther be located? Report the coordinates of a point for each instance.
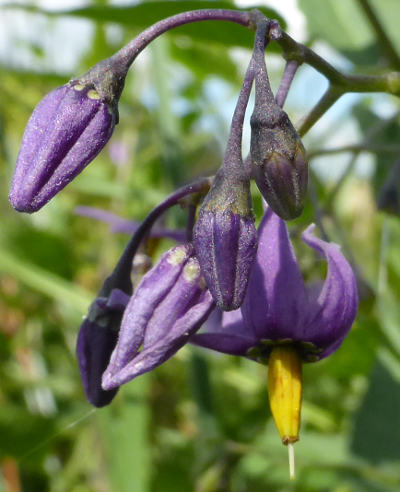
(291, 461)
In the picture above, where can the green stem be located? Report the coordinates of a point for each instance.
(322, 106)
(357, 149)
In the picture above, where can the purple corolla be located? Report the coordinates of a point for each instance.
(280, 309)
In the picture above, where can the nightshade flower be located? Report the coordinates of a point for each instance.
(66, 131)
(283, 322)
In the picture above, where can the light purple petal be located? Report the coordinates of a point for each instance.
(274, 304)
(335, 308)
(166, 347)
(118, 224)
(230, 337)
(152, 289)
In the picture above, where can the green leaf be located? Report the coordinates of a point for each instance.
(340, 23)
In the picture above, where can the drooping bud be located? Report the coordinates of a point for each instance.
(97, 339)
(170, 303)
(225, 239)
(279, 160)
(66, 131)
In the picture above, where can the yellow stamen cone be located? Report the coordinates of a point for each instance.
(285, 391)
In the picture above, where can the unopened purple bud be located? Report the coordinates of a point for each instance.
(97, 338)
(169, 304)
(66, 131)
(225, 239)
(279, 161)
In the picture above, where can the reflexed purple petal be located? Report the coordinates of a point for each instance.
(225, 244)
(151, 291)
(274, 305)
(67, 129)
(166, 346)
(335, 308)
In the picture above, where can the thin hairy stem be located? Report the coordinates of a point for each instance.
(121, 276)
(286, 82)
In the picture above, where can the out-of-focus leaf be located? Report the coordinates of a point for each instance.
(341, 24)
(205, 62)
(344, 25)
(124, 428)
(47, 283)
(376, 433)
(144, 14)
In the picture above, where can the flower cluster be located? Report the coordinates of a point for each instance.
(224, 263)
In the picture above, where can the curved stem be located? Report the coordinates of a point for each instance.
(129, 52)
(327, 100)
(292, 50)
(121, 276)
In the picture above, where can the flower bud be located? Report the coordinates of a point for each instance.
(66, 131)
(279, 160)
(225, 239)
(97, 338)
(170, 303)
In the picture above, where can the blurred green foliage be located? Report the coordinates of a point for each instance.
(200, 422)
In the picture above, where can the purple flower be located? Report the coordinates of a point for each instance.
(168, 306)
(280, 309)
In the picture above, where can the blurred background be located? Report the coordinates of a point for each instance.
(201, 422)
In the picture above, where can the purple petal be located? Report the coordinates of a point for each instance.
(118, 224)
(151, 291)
(230, 337)
(225, 244)
(94, 347)
(274, 306)
(165, 347)
(335, 308)
(67, 129)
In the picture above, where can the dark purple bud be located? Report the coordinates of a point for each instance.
(279, 160)
(225, 239)
(170, 304)
(66, 131)
(97, 339)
